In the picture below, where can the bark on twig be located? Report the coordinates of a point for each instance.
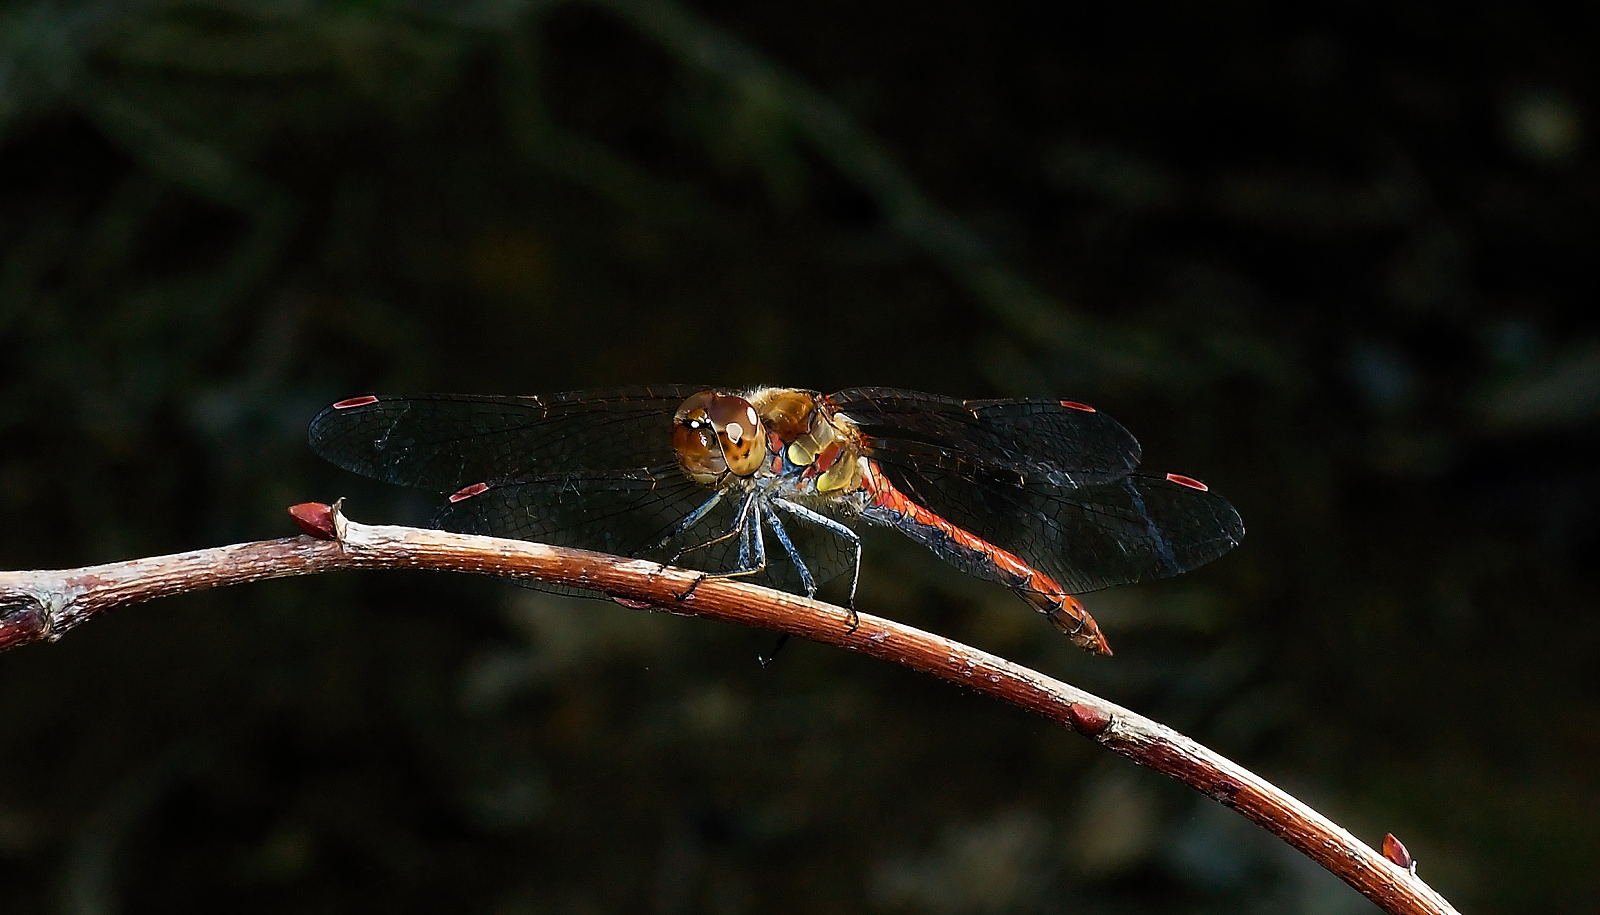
(45, 605)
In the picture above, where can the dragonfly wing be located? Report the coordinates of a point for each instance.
(442, 442)
(1138, 528)
(1034, 439)
(620, 512)
(637, 513)
(1143, 528)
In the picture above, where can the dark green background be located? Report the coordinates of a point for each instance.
(1340, 265)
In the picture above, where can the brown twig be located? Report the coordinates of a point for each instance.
(45, 605)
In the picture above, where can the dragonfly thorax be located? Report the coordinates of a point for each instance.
(809, 441)
(767, 432)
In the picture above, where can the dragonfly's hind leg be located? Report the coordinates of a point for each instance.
(806, 579)
(844, 532)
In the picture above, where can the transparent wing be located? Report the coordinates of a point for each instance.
(442, 442)
(1041, 440)
(637, 513)
(1052, 482)
(1139, 528)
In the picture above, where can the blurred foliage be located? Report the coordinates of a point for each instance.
(1336, 263)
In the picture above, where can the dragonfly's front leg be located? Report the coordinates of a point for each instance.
(752, 548)
(693, 518)
(741, 528)
(741, 522)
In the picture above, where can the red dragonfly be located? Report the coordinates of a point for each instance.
(1042, 496)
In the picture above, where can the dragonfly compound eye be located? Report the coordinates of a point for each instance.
(739, 431)
(695, 441)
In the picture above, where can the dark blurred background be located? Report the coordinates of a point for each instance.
(1338, 264)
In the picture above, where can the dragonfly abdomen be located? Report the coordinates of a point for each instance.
(972, 554)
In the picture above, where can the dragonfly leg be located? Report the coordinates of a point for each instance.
(741, 524)
(752, 547)
(806, 580)
(767, 659)
(776, 523)
(692, 585)
(843, 531)
(741, 528)
(750, 544)
(689, 521)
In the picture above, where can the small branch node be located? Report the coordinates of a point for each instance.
(316, 519)
(1088, 720)
(1396, 852)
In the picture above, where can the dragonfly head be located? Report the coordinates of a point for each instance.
(714, 433)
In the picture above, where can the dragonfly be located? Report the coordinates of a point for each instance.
(771, 484)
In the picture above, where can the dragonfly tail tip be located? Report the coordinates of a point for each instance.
(1072, 619)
